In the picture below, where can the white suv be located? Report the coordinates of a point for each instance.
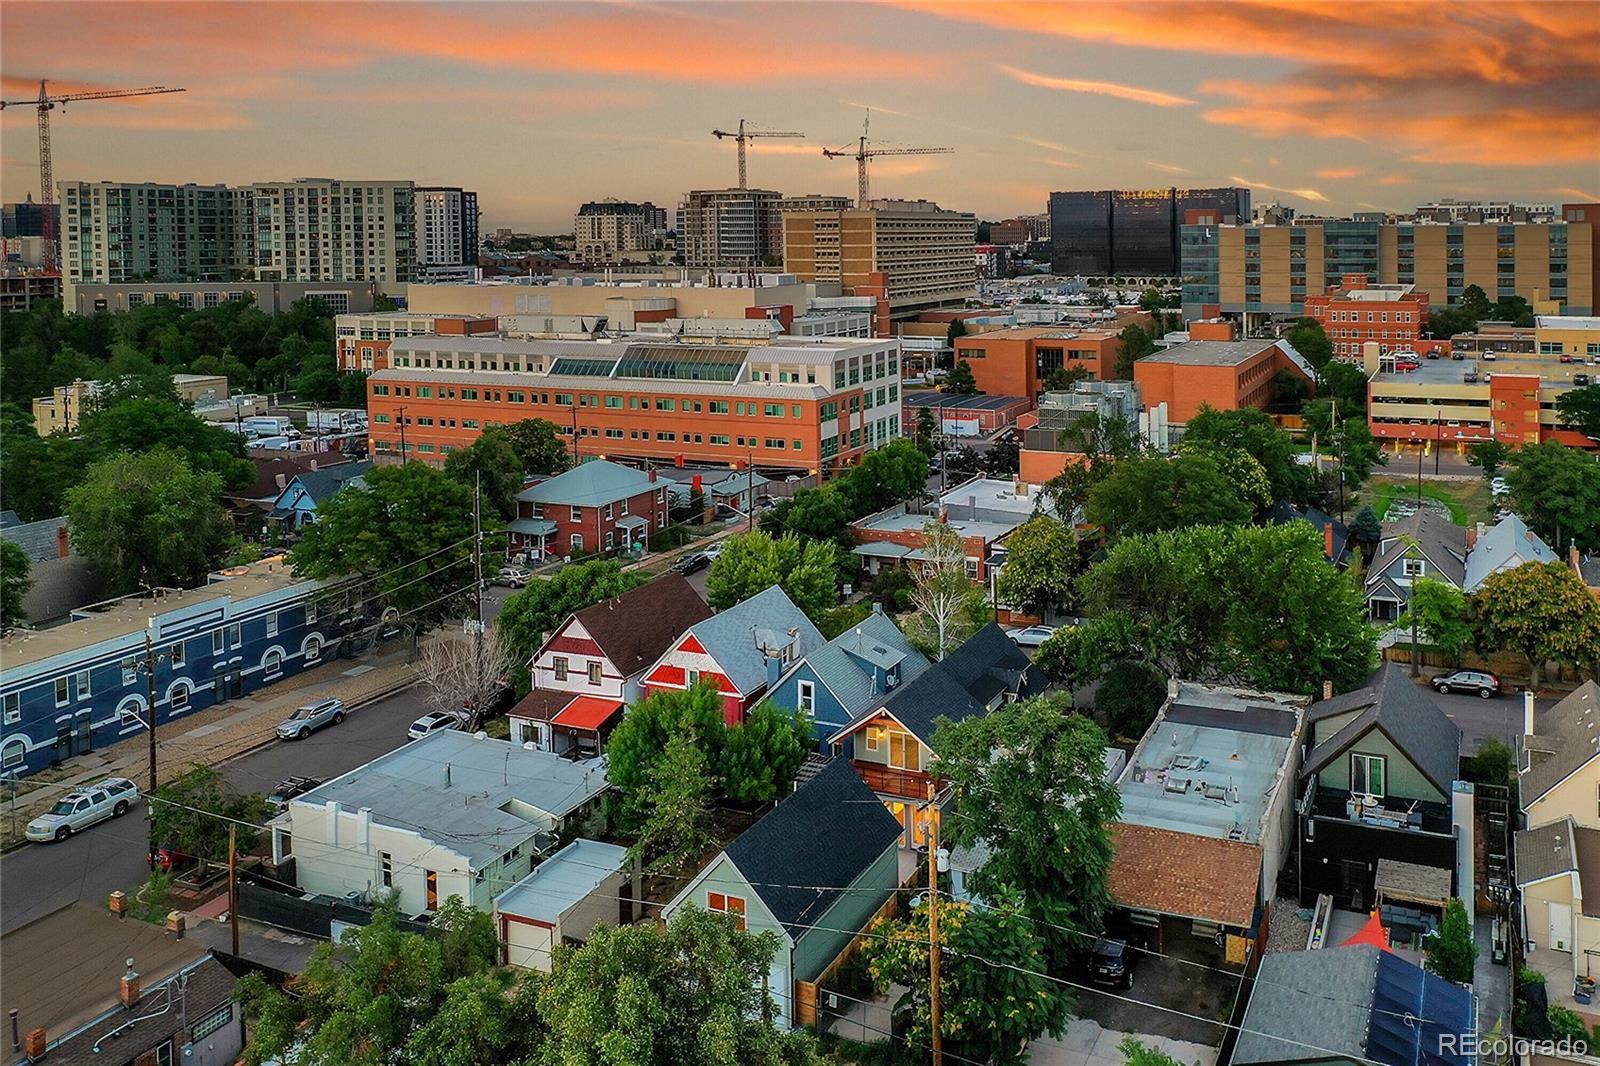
(110, 798)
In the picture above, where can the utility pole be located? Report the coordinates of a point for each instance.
(477, 598)
(933, 925)
(233, 884)
(750, 489)
(574, 429)
(148, 668)
(1437, 430)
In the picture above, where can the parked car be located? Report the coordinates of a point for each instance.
(1111, 963)
(169, 858)
(1580, 379)
(288, 789)
(84, 807)
(311, 716)
(766, 501)
(434, 721)
(1033, 636)
(688, 564)
(714, 551)
(1488, 357)
(1482, 682)
(515, 577)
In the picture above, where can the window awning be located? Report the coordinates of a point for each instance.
(588, 712)
(632, 521)
(880, 549)
(532, 527)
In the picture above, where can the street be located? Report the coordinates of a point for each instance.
(1499, 717)
(41, 878)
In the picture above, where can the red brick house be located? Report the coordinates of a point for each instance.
(598, 506)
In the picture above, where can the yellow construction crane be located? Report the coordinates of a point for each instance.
(744, 135)
(47, 182)
(863, 153)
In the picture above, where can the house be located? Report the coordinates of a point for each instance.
(814, 871)
(1336, 542)
(1378, 781)
(81, 685)
(62, 580)
(187, 1016)
(1356, 1004)
(567, 895)
(741, 651)
(1506, 545)
(1423, 544)
(984, 511)
(597, 506)
(733, 489)
(452, 814)
(840, 680)
(1207, 813)
(297, 503)
(272, 477)
(592, 665)
(891, 744)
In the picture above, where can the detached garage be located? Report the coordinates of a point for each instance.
(577, 888)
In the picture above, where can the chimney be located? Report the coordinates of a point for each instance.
(1172, 688)
(282, 481)
(332, 832)
(1327, 690)
(35, 1044)
(774, 666)
(130, 987)
(1527, 713)
(1327, 540)
(877, 608)
(64, 545)
(1575, 558)
(364, 827)
(314, 466)
(653, 476)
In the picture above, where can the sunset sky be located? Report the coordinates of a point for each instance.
(1329, 107)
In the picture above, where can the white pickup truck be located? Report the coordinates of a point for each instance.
(78, 810)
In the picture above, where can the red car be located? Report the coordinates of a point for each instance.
(167, 858)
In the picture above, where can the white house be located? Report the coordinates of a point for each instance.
(566, 896)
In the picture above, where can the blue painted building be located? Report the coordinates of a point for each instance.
(297, 504)
(849, 675)
(79, 686)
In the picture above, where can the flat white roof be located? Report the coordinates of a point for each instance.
(1567, 322)
(562, 881)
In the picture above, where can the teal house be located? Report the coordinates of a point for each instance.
(849, 675)
(296, 505)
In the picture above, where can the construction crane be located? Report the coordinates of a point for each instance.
(47, 183)
(863, 153)
(744, 135)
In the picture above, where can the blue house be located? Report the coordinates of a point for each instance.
(78, 686)
(849, 674)
(297, 503)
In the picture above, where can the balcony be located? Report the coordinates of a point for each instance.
(893, 781)
(1391, 812)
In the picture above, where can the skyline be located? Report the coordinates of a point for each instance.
(1330, 108)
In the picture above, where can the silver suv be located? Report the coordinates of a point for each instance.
(311, 716)
(79, 810)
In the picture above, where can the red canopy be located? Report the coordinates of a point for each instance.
(588, 712)
(1372, 933)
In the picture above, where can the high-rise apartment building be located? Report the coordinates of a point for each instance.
(123, 231)
(325, 229)
(912, 255)
(812, 201)
(1250, 269)
(730, 228)
(26, 219)
(1130, 232)
(603, 229)
(447, 227)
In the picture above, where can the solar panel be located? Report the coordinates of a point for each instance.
(681, 362)
(586, 368)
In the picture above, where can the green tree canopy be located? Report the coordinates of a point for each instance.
(148, 519)
(15, 581)
(539, 446)
(884, 476)
(1476, 303)
(763, 753)
(1542, 611)
(1488, 456)
(192, 813)
(1102, 443)
(140, 423)
(960, 380)
(529, 615)
(1042, 566)
(640, 739)
(1133, 344)
(1151, 494)
(1251, 429)
(1450, 949)
(1441, 615)
(1346, 385)
(753, 562)
(491, 462)
(1557, 492)
(1580, 409)
(318, 380)
(1365, 529)
(1308, 338)
(1129, 696)
(675, 805)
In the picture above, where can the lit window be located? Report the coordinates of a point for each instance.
(724, 904)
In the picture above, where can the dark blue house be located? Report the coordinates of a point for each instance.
(849, 674)
(79, 686)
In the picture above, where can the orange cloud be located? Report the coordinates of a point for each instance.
(1305, 194)
(1396, 179)
(1170, 168)
(1577, 194)
(1339, 173)
(1097, 88)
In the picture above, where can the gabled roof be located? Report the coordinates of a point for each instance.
(322, 483)
(1392, 703)
(1441, 542)
(1186, 875)
(208, 986)
(1283, 512)
(733, 637)
(1507, 543)
(636, 628)
(824, 836)
(838, 663)
(596, 482)
(38, 540)
(289, 467)
(1546, 851)
(1568, 738)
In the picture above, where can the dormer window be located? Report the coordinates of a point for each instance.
(1414, 567)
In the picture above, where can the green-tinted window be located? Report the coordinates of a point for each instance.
(614, 401)
(773, 410)
(794, 411)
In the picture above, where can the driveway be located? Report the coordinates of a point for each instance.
(1087, 1043)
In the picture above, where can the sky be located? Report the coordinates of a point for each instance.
(1328, 107)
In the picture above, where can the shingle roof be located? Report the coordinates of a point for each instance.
(1567, 738)
(1440, 540)
(875, 640)
(598, 481)
(730, 637)
(1508, 543)
(1545, 851)
(38, 540)
(826, 834)
(1391, 702)
(322, 483)
(266, 485)
(1282, 513)
(636, 628)
(1182, 874)
(210, 986)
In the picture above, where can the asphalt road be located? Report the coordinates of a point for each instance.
(40, 878)
(1499, 716)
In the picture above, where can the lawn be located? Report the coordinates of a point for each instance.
(1467, 501)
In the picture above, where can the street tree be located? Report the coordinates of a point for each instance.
(1451, 950)
(149, 519)
(463, 672)
(996, 991)
(1488, 456)
(1441, 616)
(676, 806)
(15, 581)
(943, 596)
(1541, 611)
(1042, 565)
(753, 562)
(960, 380)
(1151, 494)
(491, 462)
(1557, 492)
(529, 615)
(539, 445)
(191, 814)
(1580, 409)
(1476, 303)
(822, 514)
(927, 429)
(1345, 384)
(1029, 781)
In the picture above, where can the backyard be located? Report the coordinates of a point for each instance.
(1467, 502)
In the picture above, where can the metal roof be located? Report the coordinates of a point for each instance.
(597, 481)
(562, 881)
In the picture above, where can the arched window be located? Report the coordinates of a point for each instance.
(272, 662)
(13, 753)
(180, 697)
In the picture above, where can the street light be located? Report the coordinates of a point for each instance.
(1417, 440)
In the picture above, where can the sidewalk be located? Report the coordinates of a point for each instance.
(211, 736)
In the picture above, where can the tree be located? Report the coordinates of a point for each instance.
(138, 424)
(539, 445)
(1475, 302)
(1129, 696)
(887, 475)
(841, 619)
(492, 463)
(318, 380)
(1366, 530)
(763, 753)
(751, 563)
(35, 471)
(15, 581)
(1488, 456)
(1029, 781)
(1290, 390)
(943, 594)
(1307, 337)
(1042, 564)
(528, 616)
(1101, 442)
(1557, 492)
(1515, 310)
(676, 802)
(1059, 656)
(406, 532)
(1450, 949)
(1133, 344)
(1152, 494)
(191, 814)
(1542, 611)
(1580, 409)
(954, 332)
(1135, 1053)
(148, 520)
(1439, 612)
(1345, 384)
(1066, 378)
(1494, 763)
(1003, 458)
(960, 380)
(927, 430)
(694, 993)
(640, 740)
(995, 987)
(464, 673)
(1251, 429)
(353, 388)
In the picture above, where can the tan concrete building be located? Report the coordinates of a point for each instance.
(61, 411)
(1571, 339)
(625, 302)
(910, 254)
(602, 230)
(325, 229)
(730, 228)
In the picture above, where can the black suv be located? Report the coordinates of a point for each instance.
(1111, 963)
(1482, 682)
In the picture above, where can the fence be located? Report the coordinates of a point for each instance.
(805, 992)
(309, 915)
